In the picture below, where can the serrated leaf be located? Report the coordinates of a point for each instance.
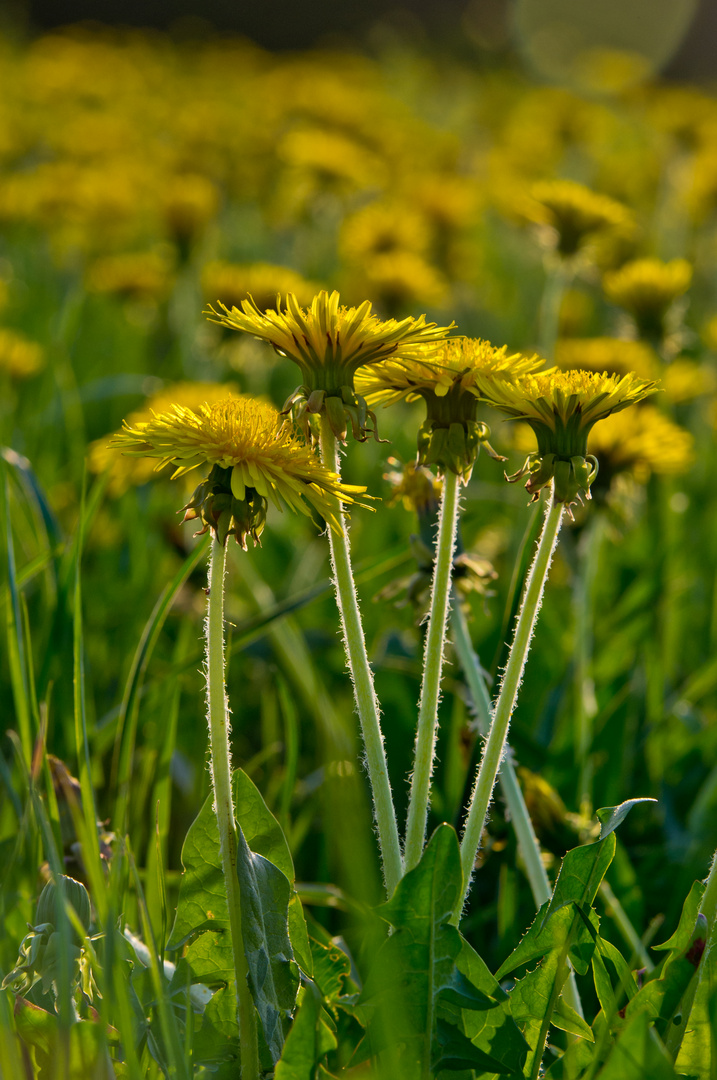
(418, 960)
(612, 816)
(332, 970)
(565, 929)
(492, 1030)
(698, 1053)
(580, 875)
(660, 997)
(638, 1054)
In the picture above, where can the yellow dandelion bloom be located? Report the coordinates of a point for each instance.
(19, 357)
(575, 213)
(561, 408)
(139, 275)
(330, 343)
(132, 471)
(448, 381)
(647, 288)
(254, 456)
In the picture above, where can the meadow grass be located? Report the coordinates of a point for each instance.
(345, 179)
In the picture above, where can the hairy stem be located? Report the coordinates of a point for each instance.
(527, 840)
(495, 743)
(220, 762)
(427, 730)
(362, 678)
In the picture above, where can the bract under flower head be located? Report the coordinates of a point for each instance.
(448, 381)
(254, 457)
(330, 343)
(562, 407)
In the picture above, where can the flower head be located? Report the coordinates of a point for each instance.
(254, 456)
(647, 288)
(448, 381)
(575, 213)
(561, 407)
(330, 343)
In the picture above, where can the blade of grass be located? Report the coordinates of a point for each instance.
(17, 657)
(129, 709)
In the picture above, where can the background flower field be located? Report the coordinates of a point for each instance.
(142, 179)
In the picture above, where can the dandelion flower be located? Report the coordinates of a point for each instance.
(19, 357)
(640, 444)
(575, 213)
(254, 456)
(330, 343)
(128, 471)
(447, 380)
(647, 288)
(561, 408)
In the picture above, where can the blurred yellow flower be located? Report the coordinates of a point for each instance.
(254, 456)
(575, 213)
(19, 357)
(137, 275)
(640, 443)
(231, 283)
(646, 288)
(615, 356)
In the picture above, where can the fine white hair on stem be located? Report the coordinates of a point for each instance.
(494, 750)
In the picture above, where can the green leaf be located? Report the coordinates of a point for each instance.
(273, 978)
(202, 918)
(492, 1030)
(698, 1052)
(218, 1037)
(309, 1040)
(430, 999)
(418, 960)
(202, 901)
(83, 1045)
(612, 816)
(580, 875)
(638, 1054)
(661, 996)
(565, 928)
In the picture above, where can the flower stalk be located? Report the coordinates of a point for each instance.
(362, 678)
(425, 749)
(220, 760)
(495, 743)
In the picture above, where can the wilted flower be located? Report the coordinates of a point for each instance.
(448, 381)
(561, 408)
(254, 456)
(647, 288)
(330, 343)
